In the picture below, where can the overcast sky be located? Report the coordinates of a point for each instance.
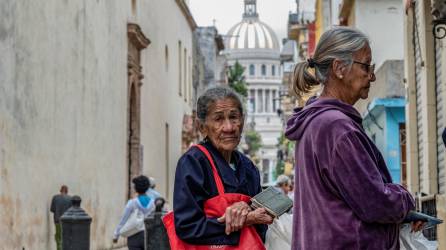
(229, 12)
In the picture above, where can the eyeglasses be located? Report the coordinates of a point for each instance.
(369, 68)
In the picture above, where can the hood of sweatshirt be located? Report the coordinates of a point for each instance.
(144, 203)
(302, 117)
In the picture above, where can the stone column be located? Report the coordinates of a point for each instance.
(256, 98)
(271, 100)
(276, 100)
(264, 100)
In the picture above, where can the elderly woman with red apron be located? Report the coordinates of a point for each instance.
(214, 182)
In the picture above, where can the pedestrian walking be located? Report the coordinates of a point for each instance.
(344, 195)
(59, 204)
(214, 183)
(142, 204)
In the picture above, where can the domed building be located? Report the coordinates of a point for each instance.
(255, 46)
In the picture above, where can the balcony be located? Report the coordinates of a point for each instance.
(294, 26)
(298, 22)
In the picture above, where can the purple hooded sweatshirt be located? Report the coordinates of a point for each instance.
(344, 197)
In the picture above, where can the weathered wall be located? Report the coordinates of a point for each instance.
(207, 67)
(161, 103)
(63, 109)
(382, 21)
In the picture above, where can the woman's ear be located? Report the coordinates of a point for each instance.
(338, 69)
(202, 128)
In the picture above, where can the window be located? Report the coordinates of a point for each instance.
(273, 70)
(179, 69)
(185, 74)
(252, 101)
(263, 70)
(166, 57)
(189, 81)
(275, 99)
(252, 70)
(267, 101)
(260, 101)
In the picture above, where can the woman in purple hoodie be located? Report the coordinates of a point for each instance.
(344, 196)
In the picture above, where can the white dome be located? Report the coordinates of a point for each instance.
(251, 33)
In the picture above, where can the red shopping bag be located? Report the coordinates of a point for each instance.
(216, 207)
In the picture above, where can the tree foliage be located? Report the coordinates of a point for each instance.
(280, 169)
(253, 140)
(236, 79)
(237, 82)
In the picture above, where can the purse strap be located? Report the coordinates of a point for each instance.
(220, 187)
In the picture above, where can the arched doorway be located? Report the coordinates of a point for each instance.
(136, 42)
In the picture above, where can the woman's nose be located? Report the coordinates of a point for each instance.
(227, 125)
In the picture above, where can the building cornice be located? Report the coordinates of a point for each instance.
(136, 36)
(187, 14)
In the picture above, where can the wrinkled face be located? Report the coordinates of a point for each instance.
(361, 74)
(223, 125)
(286, 188)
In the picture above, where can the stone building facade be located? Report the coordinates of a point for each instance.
(209, 63)
(92, 93)
(425, 81)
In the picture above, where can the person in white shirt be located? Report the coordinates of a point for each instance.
(142, 202)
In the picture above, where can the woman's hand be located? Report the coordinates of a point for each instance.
(235, 216)
(259, 216)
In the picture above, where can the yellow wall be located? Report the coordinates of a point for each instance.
(319, 20)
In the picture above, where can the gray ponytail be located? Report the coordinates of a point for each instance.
(337, 43)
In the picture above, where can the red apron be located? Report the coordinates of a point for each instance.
(215, 207)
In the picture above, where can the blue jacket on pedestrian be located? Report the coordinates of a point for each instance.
(194, 184)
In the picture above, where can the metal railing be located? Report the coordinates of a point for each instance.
(428, 205)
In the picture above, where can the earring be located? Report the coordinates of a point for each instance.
(341, 76)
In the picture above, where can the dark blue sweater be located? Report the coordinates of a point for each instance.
(194, 184)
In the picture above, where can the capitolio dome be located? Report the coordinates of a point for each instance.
(251, 33)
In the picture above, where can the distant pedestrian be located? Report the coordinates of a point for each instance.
(151, 192)
(344, 195)
(144, 204)
(283, 184)
(291, 192)
(59, 204)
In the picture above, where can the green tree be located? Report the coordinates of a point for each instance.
(237, 82)
(236, 79)
(253, 140)
(280, 169)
